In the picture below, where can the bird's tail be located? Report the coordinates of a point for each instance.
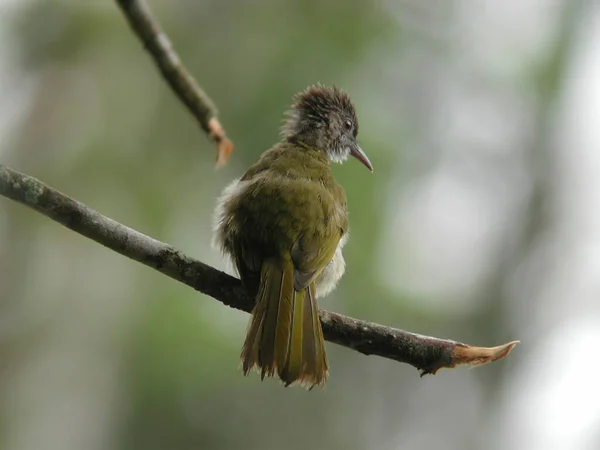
(285, 336)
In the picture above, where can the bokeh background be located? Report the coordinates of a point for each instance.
(480, 224)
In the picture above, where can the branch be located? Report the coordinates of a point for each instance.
(183, 84)
(428, 354)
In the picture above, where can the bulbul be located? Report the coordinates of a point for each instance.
(284, 223)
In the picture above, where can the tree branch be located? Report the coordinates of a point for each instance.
(428, 354)
(183, 84)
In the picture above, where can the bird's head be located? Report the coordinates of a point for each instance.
(325, 119)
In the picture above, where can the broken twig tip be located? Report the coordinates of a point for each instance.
(477, 356)
(472, 356)
(224, 149)
(224, 145)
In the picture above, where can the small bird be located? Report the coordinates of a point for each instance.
(284, 223)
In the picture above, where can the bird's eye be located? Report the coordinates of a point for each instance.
(348, 125)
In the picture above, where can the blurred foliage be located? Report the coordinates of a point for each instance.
(103, 127)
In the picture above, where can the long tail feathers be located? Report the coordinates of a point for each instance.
(322, 366)
(285, 336)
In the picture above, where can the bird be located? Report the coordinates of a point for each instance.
(283, 224)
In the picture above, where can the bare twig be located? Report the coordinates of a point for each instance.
(428, 354)
(183, 84)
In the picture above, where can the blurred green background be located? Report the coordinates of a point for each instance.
(481, 222)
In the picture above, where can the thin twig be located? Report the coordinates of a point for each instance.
(183, 84)
(428, 354)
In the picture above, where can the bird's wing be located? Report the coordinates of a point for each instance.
(311, 254)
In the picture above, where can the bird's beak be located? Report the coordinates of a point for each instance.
(359, 154)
